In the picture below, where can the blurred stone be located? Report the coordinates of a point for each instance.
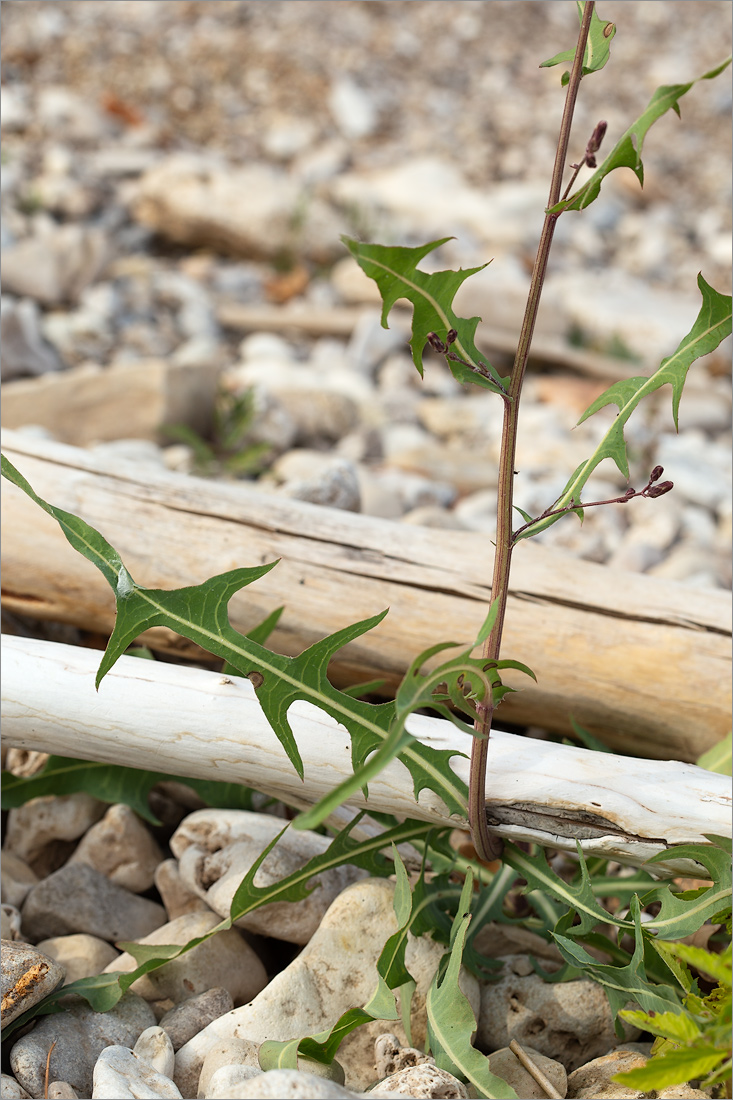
(25, 351)
(16, 879)
(247, 211)
(33, 830)
(54, 267)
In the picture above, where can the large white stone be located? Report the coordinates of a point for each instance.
(216, 849)
(334, 972)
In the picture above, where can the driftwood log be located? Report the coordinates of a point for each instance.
(191, 722)
(643, 663)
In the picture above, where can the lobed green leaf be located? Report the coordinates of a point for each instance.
(712, 325)
(627, 151)
(597, 50)
(395, 271)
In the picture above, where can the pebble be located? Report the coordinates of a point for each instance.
(570, 1022)
(11, 1090)
(27, 977)
(10, 928)
(61, 1090)
(423, 1080)
(225, 961)
(230, 1056)
(216, 849)
(80, 1035)
(79, 899)
(120, 1073)
(80, 954)
(39, 830)
(26, 353)
(333, 972)
(177, 898)
(505, 1064)
(193, 1015)
(154, 1046)
(16, 879)
(120, 847)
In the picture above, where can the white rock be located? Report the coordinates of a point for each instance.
(593, 1079)
(225, 960)
(177, 898)
(422, 1081)
(35, 825)
(505, 1064)
(154, 1046)
(16, 879)
(120, 1074)
(121, 848)
(569, 1021)
(216, 849)
(228, 1054)
(80, 954)
(225, 1081)
(61, 1090)
(287, 1084)
(11, 1090)
(335, 971)
(352, 107)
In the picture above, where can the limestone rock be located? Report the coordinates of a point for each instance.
(225, 960)
(335, 971)
(27, 977)
(120, 1074)
(80, 1035)
(80, 954)
(216, 849)
(570, 1021)
(79, 899)
(120, 847)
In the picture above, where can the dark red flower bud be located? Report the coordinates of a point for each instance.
(656, 474)
(661, 489)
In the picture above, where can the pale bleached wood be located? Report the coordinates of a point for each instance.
(641, 662)
(191, 722)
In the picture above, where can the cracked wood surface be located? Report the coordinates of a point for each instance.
(189, 721)
(643, 663)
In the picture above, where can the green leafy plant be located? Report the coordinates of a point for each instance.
(462, 687)
(231, 450)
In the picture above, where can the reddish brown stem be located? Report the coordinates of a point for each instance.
(488, 847)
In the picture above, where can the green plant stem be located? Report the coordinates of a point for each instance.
(488, 847)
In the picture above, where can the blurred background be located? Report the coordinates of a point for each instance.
(176, 175)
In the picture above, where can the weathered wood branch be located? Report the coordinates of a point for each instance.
(643, 663)
(191, 722)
